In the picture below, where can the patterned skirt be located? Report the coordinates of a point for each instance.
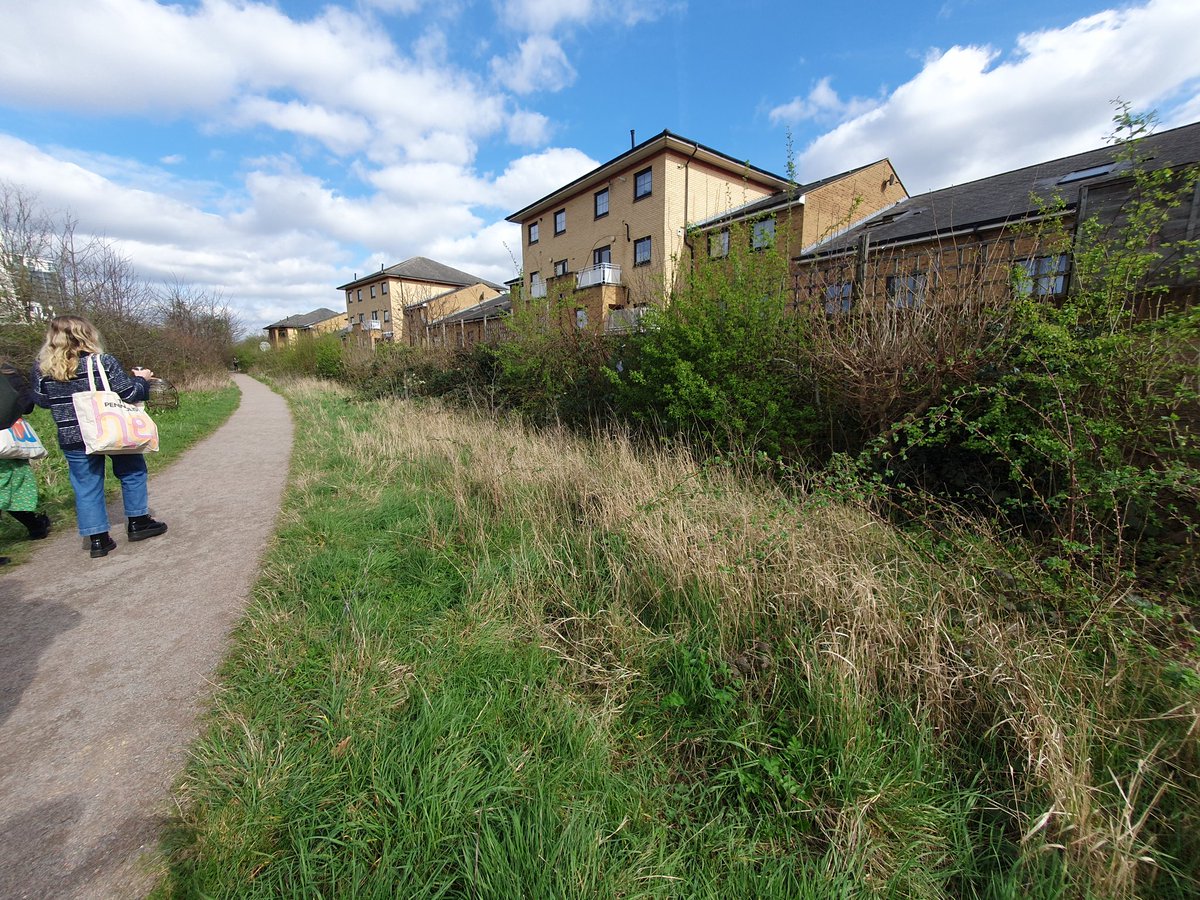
(18, 486)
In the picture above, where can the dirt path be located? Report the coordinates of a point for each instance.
(105, 663)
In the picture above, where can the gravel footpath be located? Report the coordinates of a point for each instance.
(105, 664)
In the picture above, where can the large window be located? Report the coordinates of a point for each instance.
(533, 232)
(718, 243)
(641, 251)
(560, 267)
(838, 298)
(762, 234)
(1041, 276)
(601, 255)
(905, 291)
(601, 203)
(643, 184)
(560, 221)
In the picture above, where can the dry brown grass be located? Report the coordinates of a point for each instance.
(835, 592)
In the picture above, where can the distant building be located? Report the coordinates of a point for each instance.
(319, 321)
(376, 303)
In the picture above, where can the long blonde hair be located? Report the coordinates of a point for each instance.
(67, 339)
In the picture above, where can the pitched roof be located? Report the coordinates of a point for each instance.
(792, 196)
(420, 268)
(663, 141)
(307, 320)
(993, 201)
(487, 309)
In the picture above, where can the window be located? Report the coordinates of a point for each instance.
(762, 234)
(349, 296)
(643, 184)
(360, 318)
(533, 232)
(1041, 276)
(360, 293)
(906, 291)
(560, 221)
(372, 291)
(374, 315)
(560, 267)
(837, 298)
(718, 243)
(601, 203)
(581, 318)
(641, 251)
(383, 288)
(387, 315)
(602, 256)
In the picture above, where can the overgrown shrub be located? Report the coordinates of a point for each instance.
(724, 362)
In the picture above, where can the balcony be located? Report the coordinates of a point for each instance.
(625, 320)
(372, 326)
(605, 273)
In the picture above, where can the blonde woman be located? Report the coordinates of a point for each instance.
(59, 373)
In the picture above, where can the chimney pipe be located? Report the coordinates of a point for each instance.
(632, 142)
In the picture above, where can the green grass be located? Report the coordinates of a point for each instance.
(199, 414)
(459, 678)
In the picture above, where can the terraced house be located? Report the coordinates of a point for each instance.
(394, 303)
(985, 239)
(609, 243)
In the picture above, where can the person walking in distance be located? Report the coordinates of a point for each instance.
(59, 373)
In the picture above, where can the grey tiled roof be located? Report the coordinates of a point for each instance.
(305, 320)
(992, 201)
(420, 268)
(487, 309)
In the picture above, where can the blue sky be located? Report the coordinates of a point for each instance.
(269, 151)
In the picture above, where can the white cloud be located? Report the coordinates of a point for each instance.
(822, 104)
(242, 64)
(969, 113)
(545, 16)
(539, 64)
(172, 159)
(530, 177)
(528, 129)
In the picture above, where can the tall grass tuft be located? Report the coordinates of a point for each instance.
(491, 661)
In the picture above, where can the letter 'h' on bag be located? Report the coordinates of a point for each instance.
(107, 423)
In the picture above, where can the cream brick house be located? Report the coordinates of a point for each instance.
(805, 215)
(376, 303)
(614, 239)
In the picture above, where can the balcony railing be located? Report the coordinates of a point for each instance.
(372, 326)
(537, 288)
(605, 273)
(624, 320)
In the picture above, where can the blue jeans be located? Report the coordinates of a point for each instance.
(87, 478)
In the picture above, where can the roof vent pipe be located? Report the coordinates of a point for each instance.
(632, 143)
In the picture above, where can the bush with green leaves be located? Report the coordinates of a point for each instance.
(722, 363)
(1094, 414)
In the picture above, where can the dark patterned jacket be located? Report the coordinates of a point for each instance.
(56, 395)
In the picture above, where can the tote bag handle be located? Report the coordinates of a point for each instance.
(100, 367)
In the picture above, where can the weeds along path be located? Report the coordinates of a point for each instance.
(105, 664)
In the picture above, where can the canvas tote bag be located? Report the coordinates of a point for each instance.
(107, 423)
(20, 441)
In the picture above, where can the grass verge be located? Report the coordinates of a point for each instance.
(487, 662)
(200, 412)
